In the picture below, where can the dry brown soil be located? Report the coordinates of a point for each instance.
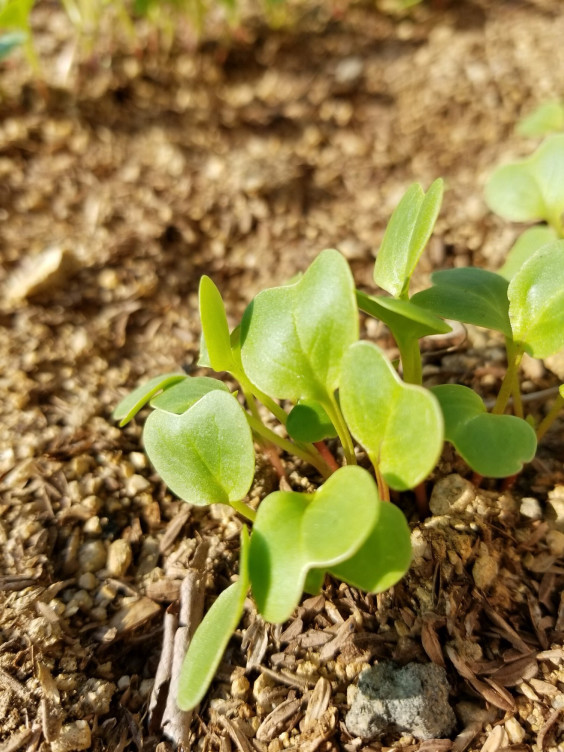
(126, 175)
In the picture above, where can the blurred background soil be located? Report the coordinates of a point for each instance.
(126, 173)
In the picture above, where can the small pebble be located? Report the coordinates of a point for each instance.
(530, 508)
(92, 556)
(485, 569)
(119, 558)
(514, 730)
(87, 581)
(555, 540)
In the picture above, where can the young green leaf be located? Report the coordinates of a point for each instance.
(406, 236)
(403, 317)
(473, 296)
(138, 398)
(179, 397)
(308, 421)
(493, 445)
(532, 189)
(293, 337)
(296, 532)
(536, 302)
(215, 329)
(526, 244)
(400, 425)
(545, 119)
(206, 454)
(212, 636)
(383, 558)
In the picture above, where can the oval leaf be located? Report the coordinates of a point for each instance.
(206, 454)
(525, 246)
(212, 636)
(473, 296)
(536, 302)
(532, 189)
(138, 398)
(295, 532)
(308, 421)
(293, 337)
(406, 236)
(495, 446)
(383, 558)
(400, 425)
(179, 397)
(547, 118)
(216, 346)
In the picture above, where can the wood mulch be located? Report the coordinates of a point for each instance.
(124, 176)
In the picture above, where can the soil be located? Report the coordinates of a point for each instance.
(125, 176)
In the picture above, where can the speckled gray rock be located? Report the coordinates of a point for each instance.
(412, 698)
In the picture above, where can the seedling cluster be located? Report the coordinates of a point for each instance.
(297, 356)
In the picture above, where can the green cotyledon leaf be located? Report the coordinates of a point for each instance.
(495, 446)
(400, 425)
(212, 636)
(295, 532)
(525, 246)
(293, 337)
(536, 302)
(205, 455)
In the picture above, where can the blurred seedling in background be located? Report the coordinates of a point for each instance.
(300, 364)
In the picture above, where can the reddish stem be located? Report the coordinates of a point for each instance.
(321, 447)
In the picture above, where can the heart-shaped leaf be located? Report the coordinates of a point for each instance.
(383, 558)
(400, 425)
(206, 454)
(525, 246)
(536, 302)
(532, 189)
(179, 397)
(216, 348)
(295, 532)
(547, 118)
(493, 445)
(138, 398)
(406, 236)
(403, 317)
(308, 421)
(212, 636)
(293, 337)
(473, 296)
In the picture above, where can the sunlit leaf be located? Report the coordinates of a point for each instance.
(293, 337)
(179, 397)
(215, 329)
(406, 236)
(212, 636)
(400, 425)
(536, 302)
(495, 446)
(296, 532)
(138, 398)
(526, 244)
(206, 454)
(546, 118)
(403, 317)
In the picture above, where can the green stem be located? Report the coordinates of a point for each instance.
(410, 355)
(336, 417)
(383, 488)
(244, 510)
(550, 417)
(514, 356)
(266, 433)
(517, 400)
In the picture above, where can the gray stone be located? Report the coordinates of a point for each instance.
(412, 699)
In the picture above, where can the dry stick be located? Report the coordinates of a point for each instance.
(175, 722)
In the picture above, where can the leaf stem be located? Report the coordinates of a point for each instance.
(336, 417)
(550, 417)
(244, 510)
(323, 450)
(514, 357)
(266, 433)
(410, 355)
(383, 488)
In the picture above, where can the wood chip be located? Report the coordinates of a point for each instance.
(282, 718)
(318, 703)
(134, 615)
(545, 729)
(513, 673)
(496, 739)
(236, 734)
